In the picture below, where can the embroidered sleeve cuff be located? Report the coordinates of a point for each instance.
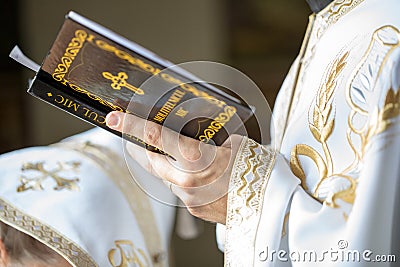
(250, 175)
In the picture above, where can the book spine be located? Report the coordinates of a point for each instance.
(77, 106)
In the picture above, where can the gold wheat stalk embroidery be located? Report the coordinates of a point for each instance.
(321, 127)
(383, 119)
(372, 123)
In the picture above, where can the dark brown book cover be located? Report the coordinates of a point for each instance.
(90, 71)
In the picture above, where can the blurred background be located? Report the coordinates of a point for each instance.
(259, 37)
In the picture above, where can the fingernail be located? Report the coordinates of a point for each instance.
(112, 120)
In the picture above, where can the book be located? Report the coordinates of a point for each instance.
(91, 71)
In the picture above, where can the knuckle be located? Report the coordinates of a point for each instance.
(192, 155)
(195, 211)
(189, 148)
(153, 135)
(187, 181)
(236, 137)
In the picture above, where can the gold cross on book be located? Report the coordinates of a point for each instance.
(119, 81)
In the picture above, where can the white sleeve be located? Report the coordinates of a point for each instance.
(273, 221)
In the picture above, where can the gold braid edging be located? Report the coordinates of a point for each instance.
(74, 254)
(250, 175)
(136, 198)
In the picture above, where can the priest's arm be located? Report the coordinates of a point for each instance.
(317, 199)
(332, 200)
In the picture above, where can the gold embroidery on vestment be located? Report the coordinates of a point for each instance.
(119, 174)
(17, 219)
(128, 255)
(321, 126)
(250, 175)
(36, 183)
(285, 222)
(360, 89)
(362, 84)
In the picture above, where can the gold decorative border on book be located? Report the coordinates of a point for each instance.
(78, 89)
(214, 126)
(74, 254)
(78, 42)
(154, 71)
(69, 56)
(67, 59)
(218, 122)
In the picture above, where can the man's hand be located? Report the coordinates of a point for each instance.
(200, 173)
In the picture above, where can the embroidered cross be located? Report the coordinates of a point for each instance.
(119, 81)
(36, 183)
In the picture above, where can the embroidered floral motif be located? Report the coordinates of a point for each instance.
(363, 124)
(36, 182)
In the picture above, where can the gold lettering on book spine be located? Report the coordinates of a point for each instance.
(166, 109)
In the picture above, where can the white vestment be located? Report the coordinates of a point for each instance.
(327, 195)
(78, 198)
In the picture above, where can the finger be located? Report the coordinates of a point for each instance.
(150, 132)
(136, 153)
(155, 165)
(160, 166)
(182, 148)
(189, 187)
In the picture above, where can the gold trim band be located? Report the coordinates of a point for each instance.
(44, 233)
(251, 172)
